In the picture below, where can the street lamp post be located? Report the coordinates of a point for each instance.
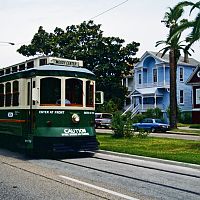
(11, 43)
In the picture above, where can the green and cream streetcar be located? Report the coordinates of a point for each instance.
(47, 105)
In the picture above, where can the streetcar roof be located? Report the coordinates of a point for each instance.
(62, 68)
(50, 70)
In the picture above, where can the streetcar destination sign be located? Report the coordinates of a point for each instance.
(66, 62)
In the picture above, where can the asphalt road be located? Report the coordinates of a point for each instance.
(103, 176)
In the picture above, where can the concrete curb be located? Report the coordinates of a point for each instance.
(158, 160)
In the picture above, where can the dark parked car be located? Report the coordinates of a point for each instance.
(152, 125)
(103, 120)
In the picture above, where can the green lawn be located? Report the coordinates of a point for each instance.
(170, 149)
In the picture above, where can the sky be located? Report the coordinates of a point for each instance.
(132, 20)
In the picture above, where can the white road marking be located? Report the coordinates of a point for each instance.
(99, 188)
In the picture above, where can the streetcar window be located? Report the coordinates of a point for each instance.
(15, 93)
(8, 71)
(50, 91)
(1, 95)
(30, 64)
(74, 92)
(8, 94)
(14, 69)
(89, 94)
(1, 72)
(28, 94)
(43, 62)
(21, 67)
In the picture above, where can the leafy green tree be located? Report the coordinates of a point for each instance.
(154, 113)
(107, 57)
(173, 20)
(107, 107)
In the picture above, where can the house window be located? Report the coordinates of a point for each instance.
(197, 96)
(140, 78)
(181, 74)
(181, 97)
(155, 77)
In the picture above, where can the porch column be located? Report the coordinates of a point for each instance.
(127, 82)
(142, 102)
(155, 101)
(164, 74)
(131, 98)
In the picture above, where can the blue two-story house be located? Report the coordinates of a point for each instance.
(152, 83)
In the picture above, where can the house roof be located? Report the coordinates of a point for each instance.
(148, 91)
(192, 61)
(165, 58)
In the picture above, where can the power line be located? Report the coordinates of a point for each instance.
(108, 10)
(88, 20)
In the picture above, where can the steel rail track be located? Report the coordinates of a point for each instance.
(147, 167)
(134, 178)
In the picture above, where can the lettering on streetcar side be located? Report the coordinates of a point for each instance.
(74, 132)
(58, 112)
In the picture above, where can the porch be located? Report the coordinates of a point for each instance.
(144, 99)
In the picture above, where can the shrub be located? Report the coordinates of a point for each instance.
(195, 126)
(122, 125)
(143, 133)
(138, 118)
(118, 122)
(186, 117)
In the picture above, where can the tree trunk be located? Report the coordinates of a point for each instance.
(186, 57)
(173, 95)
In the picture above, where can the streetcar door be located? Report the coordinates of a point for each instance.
(32, 95)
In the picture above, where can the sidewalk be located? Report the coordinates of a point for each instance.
(187, 128)
(188, 131)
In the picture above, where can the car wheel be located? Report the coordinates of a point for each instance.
(153, 130)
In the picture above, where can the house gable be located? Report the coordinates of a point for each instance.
(195, 77)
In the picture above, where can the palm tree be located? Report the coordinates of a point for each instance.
(194, 25)
(172, 20)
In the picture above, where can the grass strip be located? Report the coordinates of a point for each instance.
(170, 149)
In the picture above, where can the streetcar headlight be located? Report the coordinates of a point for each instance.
(75, 118)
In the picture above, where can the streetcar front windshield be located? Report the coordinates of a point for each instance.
(50, 91)
(68, 92)
(74, 92)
